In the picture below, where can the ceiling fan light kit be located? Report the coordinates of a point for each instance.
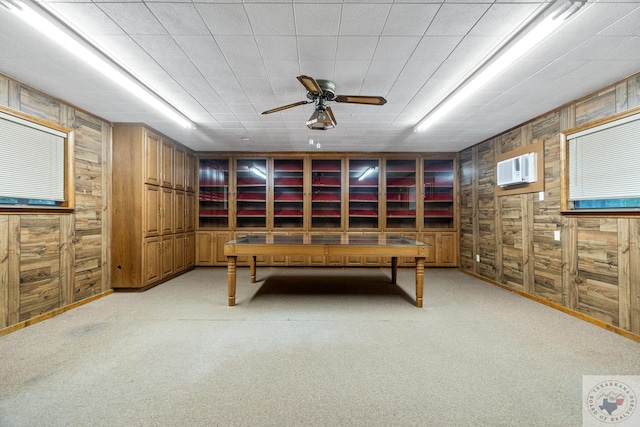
(320, 92)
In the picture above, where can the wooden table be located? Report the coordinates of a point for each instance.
(383, 246)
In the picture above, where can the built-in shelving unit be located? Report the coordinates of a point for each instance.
(213, 179)
(363, 193)
(318, 194)
(251, 184)
(288, 193)
(326, 193)
(439, 195)
(401, 193)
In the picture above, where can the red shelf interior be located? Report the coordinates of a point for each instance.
(401, 213)
(401, 197)
(326, 197)
(326, 167)
(251, 181)
(288, 212)
(252, 197)
(288, 197)
(284, 166)
(401, 182)
(438, 197)
(439, 167)
(363, 212)
(251, 212)
(367, 182)
(289, 182)
(360, 197)
(217, 197)
(329, 213)
(438, 213)
(213, 212)
(328, 181)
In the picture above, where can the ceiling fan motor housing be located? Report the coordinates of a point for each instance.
(328, 90)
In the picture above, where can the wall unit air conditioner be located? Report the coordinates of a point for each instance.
(517, 170)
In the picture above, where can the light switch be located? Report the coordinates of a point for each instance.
(556, 235)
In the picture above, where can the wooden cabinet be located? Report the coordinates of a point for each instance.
(150, 216)
(312, 194)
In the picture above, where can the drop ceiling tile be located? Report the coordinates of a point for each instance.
(160, 46)
(595, 47)
(225, 19)
(199, 47)
(395, 48)
(278, 47)
(179, 18)
(314, 48)
(456, 19)
(307, 17)
(271, 19)
(409, 19)
(238, 47)
(363, 19)
(120, 47)
(435, 48)
(245, 68)
(356, 48)
(279, 68)
(351, 71)
(134, 18)
(88, 18)
(503, 19)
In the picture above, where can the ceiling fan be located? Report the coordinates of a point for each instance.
(321, 92)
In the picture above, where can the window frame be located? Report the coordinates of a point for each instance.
(68, 205)
(565, 171)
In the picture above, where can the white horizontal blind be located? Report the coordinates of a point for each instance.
(31, 160)
(605, 163)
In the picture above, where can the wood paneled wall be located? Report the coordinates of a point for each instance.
(52, 261)
(594, 269)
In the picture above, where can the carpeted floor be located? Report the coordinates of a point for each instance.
(307, 347)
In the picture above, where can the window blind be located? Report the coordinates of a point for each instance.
(31, 160)
(604, 162)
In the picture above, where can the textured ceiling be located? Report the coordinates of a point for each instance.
(224, 62)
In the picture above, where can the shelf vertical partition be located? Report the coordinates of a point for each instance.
(251, 193)
(363, 193)
(213, 181)
(401, 193)
(288, 193)
(439, 196)
(326, 193)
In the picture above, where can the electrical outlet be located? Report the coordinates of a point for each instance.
(478, 258)
(556, 235)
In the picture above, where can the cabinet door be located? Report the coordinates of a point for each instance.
(204, 249)
(430, 238)
(167, 211)
(151, 210)
(190, 173)
(251, 193)
(213, 186)
(363, 193)
(179, 169)
(288, 193)
(401, 194)
(152, 147)
(179, 211)
(152, 262)
(190, 250)
(189, 209)
(448, 249)
(439, 197)
(179, 254)
(166, 164)
(326, 193)
(166, 252)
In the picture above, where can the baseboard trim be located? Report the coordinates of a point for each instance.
(577, 314)
(52, 313)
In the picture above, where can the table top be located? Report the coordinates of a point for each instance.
(381, 240)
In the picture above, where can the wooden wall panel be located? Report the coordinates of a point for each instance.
(600, 105)
(598, 268)
(633, 92)
(512, 257)
(50, 261)
(39, 265)
(486, 242)
(466, 208)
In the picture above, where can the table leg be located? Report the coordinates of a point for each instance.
(231, 279)
(394, 270)
(252, 268)
(419, 280)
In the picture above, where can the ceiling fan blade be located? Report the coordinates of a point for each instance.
(333, 118)
(310, 84)
(284, 107)
(358, 99)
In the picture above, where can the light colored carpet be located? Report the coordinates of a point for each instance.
(307, 347)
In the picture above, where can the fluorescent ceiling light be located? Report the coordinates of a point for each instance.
(368, 172)
(538, 33)
(258, 172)
(70, 41)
